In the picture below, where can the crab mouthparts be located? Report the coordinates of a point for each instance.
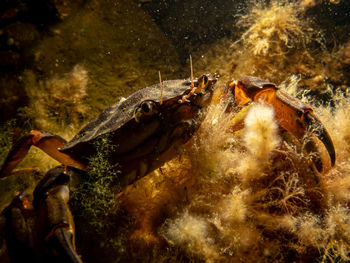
(202, 83)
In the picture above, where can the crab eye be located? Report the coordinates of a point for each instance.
(145, 110)
(147, 106)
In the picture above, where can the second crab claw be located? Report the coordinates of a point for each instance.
(54, 221)
(291, 114)
(43, 230)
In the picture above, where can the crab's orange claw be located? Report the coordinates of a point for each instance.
(298, 117)
(321, 133)
(291, 114)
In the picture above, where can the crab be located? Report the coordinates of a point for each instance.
(145, 130)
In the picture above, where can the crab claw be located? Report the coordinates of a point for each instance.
(291, 114)
(297, 118)
(54, 218)
(321, 133)
(61, 241)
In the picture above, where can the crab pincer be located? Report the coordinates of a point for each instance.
(291, 114)
(43, 229)
(54, 223)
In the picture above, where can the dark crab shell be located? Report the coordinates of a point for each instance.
(122, 112)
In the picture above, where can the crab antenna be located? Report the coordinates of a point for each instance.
(191, 72)
(161, 89)
(193, 90)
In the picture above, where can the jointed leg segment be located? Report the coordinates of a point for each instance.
(46, 141)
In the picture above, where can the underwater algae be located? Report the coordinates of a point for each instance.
(281, 214)
(247, 195)
(279, 39)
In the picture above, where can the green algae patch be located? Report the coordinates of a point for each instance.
(95, 195)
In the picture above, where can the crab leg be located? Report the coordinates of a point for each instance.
(17, 229)
(46, 141)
